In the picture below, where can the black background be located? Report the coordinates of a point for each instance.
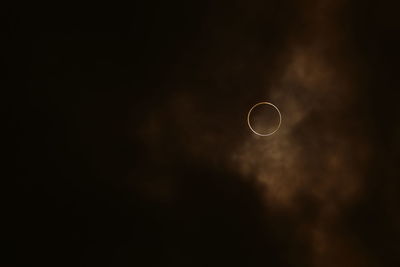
(84, 188)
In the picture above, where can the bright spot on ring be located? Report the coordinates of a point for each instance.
(264, 119)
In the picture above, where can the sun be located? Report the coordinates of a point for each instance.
(249, 114)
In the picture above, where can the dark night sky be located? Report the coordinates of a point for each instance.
(127, 142)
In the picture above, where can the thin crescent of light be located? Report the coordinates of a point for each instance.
(264, 103)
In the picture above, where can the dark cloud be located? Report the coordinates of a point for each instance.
(129, 144)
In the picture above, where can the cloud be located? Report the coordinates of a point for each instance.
(319, 154)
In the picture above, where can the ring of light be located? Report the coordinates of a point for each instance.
(264, 103)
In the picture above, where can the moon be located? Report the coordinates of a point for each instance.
(261, 133)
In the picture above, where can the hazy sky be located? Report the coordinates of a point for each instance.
(128, 141)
